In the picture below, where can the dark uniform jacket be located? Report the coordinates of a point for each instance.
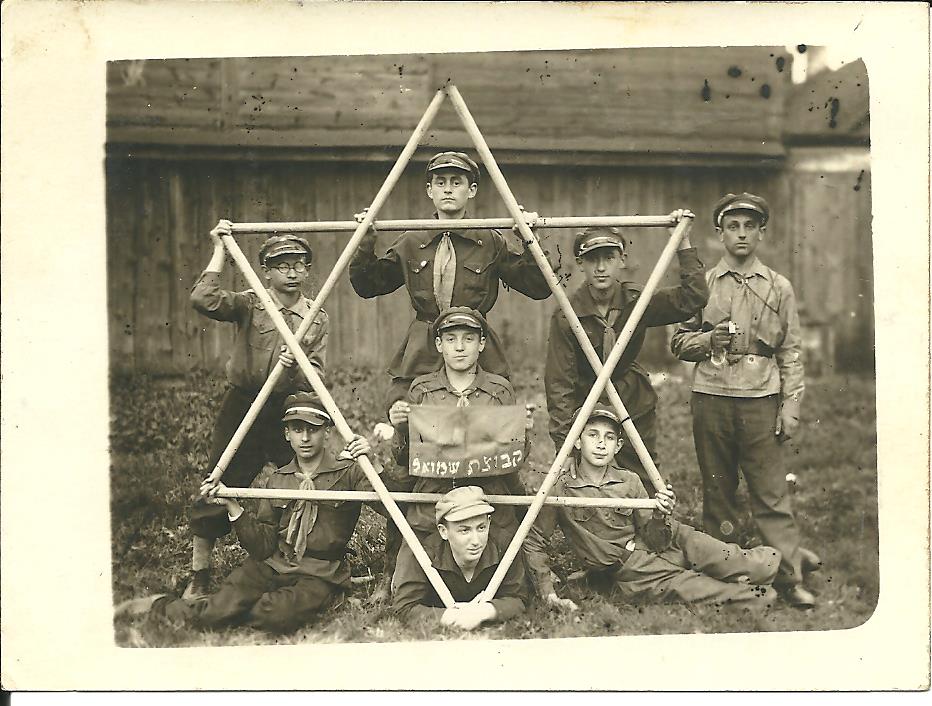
(414, 598)
(483, 258)
(569, 376)
(435, 389)
(264, 536)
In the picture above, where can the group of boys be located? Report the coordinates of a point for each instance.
(737, 322)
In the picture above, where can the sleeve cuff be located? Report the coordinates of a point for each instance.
(234, 516)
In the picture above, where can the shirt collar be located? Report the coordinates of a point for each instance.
(478, 381)
(612, 475)
(300, 307)
(427, 236)
(754, 267)
(328, 464)
(584, 304)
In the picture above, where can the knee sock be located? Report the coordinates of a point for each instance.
(200, 558)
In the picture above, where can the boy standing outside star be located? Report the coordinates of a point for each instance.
(442, 268)
(297, 548)
(257, 347)
(466, 558)
(604, 303)
(747, 389)
(648, 555)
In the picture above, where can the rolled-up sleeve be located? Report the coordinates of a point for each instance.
(520, 271)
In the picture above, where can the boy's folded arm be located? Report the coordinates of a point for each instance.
(690, 343)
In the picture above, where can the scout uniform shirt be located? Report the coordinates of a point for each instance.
(413, 597)
(569, 375)
(257, 343)
(602, 537)
(435, 389)
(764, 357)
(265, 537)
(483, 258)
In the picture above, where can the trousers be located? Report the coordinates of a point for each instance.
(738, 432)
(698, 568)
(258, 595)
(264, 442)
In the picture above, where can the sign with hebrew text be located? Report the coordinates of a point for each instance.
(465, 442)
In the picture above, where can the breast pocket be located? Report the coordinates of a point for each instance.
(262, 333)
(582, 515)
(479, 277)
(770, 329)
(420, 278)
(616, 517)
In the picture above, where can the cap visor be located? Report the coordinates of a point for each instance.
(312, 419)
(585, 249)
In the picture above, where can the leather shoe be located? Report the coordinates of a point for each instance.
(810, 561)
(199, 586)
(798, 597)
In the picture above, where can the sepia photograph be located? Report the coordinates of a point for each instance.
(465, 346)
(746, 374)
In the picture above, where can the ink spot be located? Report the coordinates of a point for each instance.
(706, 92)
(765, 91)
(857, 186)
(781, 63)
(734, 71)
(401, 71)
(801, 48)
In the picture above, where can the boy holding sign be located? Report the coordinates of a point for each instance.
(459, 336)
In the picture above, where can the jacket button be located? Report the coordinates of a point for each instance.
(479, 242)
(424, 263)
(478, 271)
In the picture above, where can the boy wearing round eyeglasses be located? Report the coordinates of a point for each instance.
(257, 347)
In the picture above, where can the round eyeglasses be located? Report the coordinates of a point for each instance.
(284, 267)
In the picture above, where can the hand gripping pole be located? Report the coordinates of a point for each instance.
(537, 252)
(339, 421)
(341, 264)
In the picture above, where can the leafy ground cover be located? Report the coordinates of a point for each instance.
(159, 433)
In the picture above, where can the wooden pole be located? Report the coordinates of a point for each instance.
(591, 400)
(537, 252)
(604, 375)
(457, 224)
(338, 420)
(428, 498)
(360, 230)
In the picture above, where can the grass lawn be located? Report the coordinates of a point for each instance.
(159, 448)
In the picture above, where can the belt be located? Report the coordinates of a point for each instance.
(758, 349)
(333, 555)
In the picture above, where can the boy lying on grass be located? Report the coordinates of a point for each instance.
(296, 564)
(645, 553)
(466, 559)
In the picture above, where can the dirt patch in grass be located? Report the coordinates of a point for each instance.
(159, 436)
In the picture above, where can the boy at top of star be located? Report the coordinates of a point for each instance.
(443, 267)
(257, 346)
